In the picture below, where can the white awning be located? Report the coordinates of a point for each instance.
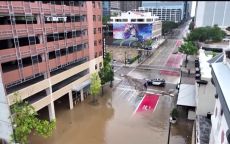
(81, 86)
(186, 96)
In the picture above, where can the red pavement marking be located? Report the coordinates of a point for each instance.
(175, 60)
(148, 103)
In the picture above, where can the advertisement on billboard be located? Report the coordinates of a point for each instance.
(132, 31)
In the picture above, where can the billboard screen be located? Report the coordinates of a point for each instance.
(132, 31)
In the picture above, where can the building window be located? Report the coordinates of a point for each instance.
(99, 30)
(149, 20)
(94, 30)
(100, 53)
(133, 20)
(140, 20)
(124, 20)
(99, 4)
(94, 18)
(95, 43)
(118, 20)
(99, 18)
(95, 66)
(95, 54)
(99, 42)
(100, 64)
(94, 4)
(32, 40)
(221, 112)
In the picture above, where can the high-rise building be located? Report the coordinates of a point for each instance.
(115, 7)
(106, 8)
(130, 5)
(166, 10)
(48, 49)
(209, 13)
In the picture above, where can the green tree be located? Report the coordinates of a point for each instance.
(95, 86)
(203, 34)
(148, 43)
(105, 19)
(25, 121)
(191, 26)
(168, 26)
(188, 48)
(106, 73)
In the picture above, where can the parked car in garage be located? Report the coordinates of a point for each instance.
(156, 82)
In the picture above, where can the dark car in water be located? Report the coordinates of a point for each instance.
(156, 82)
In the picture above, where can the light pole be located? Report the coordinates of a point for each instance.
(169, 130)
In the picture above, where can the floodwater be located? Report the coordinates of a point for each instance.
(112, 121)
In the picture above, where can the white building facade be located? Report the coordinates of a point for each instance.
(209, 13)
(220, 132)
(132, 17)
(204, 93)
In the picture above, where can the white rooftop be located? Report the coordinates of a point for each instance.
(186, 96)
(222, 73)
(134, 15)
(205, 69)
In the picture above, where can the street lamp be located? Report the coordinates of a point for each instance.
(170, 122)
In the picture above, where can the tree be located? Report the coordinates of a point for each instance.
(95, 86)
(106, 73)
(191, 26)
(203, 34)
(167, 26)
(148, 43)
(105, 19)
(188, 48)
(25, 122)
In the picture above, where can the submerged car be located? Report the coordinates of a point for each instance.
(156, 82)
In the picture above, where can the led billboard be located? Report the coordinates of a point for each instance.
(132, 31)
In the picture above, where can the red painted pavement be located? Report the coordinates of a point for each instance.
(148, 103)
(174, 60)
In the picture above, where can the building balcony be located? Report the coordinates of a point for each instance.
(39, 7)
(24, 51)
(8, 31)
(26, 72)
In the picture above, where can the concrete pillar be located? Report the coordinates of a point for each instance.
(70, 100)
(51, 105)
(82, 96)
(51, 111)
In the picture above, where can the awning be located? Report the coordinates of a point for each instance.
(81, 86)
(186, 96)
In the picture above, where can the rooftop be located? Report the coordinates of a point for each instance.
(204, 65)
(222, 73)
(203, 126)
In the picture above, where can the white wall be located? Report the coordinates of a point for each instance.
(219, 126)
(5, 122)
(205, 98)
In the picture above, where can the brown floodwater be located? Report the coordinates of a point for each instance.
(111, 122)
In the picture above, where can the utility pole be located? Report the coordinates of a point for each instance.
(125, 58)
(169, 131)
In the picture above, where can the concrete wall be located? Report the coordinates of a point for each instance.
(205, 98)
(5, 121)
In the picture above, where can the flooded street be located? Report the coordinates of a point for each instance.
(111, 122)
